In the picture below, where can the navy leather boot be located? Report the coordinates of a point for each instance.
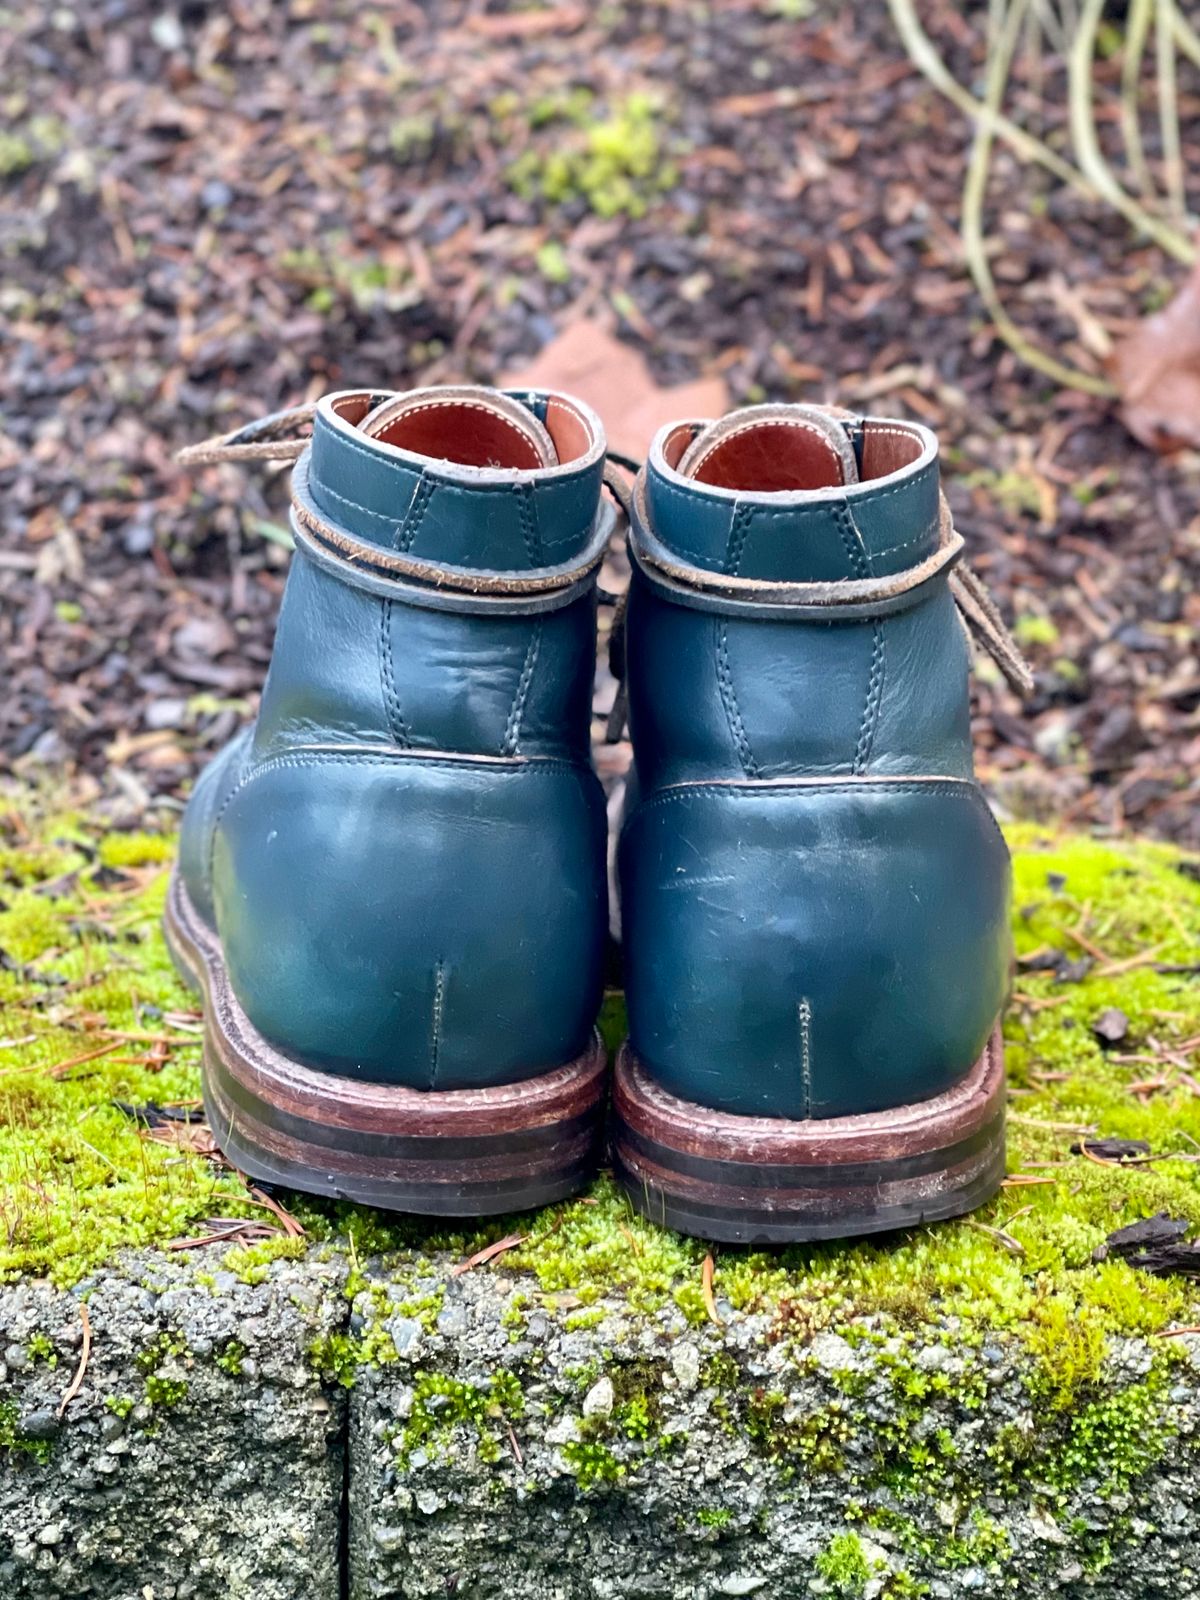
(391, 889)
(814, 893)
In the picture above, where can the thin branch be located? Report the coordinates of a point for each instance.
(85, 1351)
(1187, 38)
(1168, 109)
(1080, 72)
(1141, 13)
(925, 58)
(974, 195)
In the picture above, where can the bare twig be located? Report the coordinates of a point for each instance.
(706, 1289)
(488, 1253)
(85, 1352)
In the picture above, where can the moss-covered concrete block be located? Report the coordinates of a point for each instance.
(990, 1407)
(201, 1457)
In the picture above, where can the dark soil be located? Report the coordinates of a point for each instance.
(210, 211)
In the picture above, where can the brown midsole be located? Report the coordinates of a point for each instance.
(771, 1178)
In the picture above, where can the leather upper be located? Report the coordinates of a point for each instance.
(803, 838)
(405, 857)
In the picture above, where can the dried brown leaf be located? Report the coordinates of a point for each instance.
(1157, 370)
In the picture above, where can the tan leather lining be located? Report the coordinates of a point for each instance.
(472, 430)
(887, 448)
(571, 435)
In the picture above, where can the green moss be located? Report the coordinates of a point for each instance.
(120, 1404)
(87, 976)
(593, 1464)
(442, 1404)
(162, 1391)
(251, 1262)
(1069, 1350)
(136, 849)
(15, 1443)
(337, 1357)
(1031, 629)
(977, 1541)
(844, 1565)
(1114, 1439)
(808, 1444)
(41, 1349)
(714, 1517)
(616, 165)
(579, 1320)
(231, 1357)
(87, 972)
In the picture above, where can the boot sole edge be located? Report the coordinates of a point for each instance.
(766, 1180)
(454, 1152)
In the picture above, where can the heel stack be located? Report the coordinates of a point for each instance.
(456, 1152)
(767, 1180)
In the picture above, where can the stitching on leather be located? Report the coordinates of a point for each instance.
(512, 732)
(853, 540)
(439, 1012)
(729, 700)
(390, 523)
(542, 765)
(921, 538)
(804, 1013)
(865, 497)
(736, 790)
(529, 528)
(348, 442)
(870, 716)
(738, 530)
(406, 534)
(891, 433)
(397, 726)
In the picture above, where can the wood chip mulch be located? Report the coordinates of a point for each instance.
(210, 212)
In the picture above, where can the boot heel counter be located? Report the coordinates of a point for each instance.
(436, 923)
(814, 950)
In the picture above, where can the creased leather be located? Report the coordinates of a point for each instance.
(414, 817)
(805, 828)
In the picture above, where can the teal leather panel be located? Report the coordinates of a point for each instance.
(351, 667)
(813, 950)
(405, 858)
(405, 919)
(730, 695)
(813, 892)
(213, 787)
(865, 530)
(430, 510)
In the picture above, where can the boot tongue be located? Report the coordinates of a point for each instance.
(474, 427)
(772, 449)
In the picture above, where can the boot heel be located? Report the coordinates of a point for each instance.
(455, 1152)
(769, 1180)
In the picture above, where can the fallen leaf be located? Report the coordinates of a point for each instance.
(1156, 369)
(587, 361)
(1155, 1245)
(528, 24)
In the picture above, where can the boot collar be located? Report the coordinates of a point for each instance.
(884, 523)
(502, 520)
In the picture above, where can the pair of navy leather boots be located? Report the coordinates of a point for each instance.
(392, 888)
